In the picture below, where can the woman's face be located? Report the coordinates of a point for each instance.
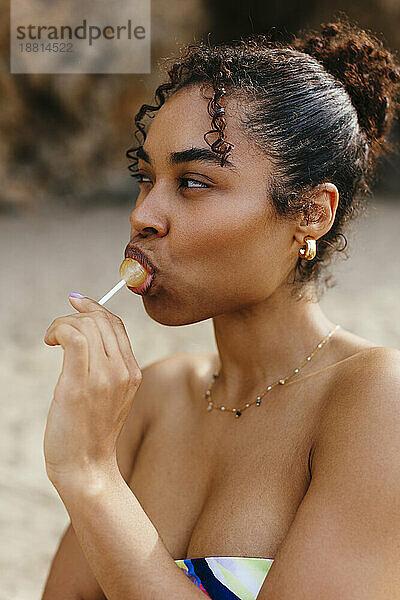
(211, 231)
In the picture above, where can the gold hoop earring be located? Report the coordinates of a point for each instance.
(310, 251)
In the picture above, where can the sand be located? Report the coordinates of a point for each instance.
(48, 254)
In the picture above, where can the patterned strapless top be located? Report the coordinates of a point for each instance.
(227, 577)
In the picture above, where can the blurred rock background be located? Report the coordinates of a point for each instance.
(63, 137)
(65, 201)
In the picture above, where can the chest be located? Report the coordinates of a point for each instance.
(213, 485)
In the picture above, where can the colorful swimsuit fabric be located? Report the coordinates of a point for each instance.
(227, 577)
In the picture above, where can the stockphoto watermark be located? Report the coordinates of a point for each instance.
(81, 32)
(70, 37)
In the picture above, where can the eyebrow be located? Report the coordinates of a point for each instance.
(189, 155)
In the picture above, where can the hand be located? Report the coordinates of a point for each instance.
(94, 393)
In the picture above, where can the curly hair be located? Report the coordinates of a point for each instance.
(320, 106)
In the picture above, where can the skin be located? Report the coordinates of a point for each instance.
(223, 254)
(207, 484)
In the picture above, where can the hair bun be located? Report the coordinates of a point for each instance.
(369, 72)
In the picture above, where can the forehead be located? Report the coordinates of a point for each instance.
(183, 120)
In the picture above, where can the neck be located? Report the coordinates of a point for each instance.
(265, 342)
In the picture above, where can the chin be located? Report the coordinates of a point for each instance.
(172, 313)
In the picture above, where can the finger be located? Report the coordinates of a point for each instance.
(76, 351)
(87, 304)
(97, 350)
(108, 335)
(51, 336)
(124, 343)
(87, 326)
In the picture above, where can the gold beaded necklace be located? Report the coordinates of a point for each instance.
(257, 401)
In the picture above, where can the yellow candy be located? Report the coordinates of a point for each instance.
(132, 272)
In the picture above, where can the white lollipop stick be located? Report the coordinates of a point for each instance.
(113, 291)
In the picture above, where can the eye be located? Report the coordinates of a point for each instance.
(142, 178)
(201, 184)
(139, 177)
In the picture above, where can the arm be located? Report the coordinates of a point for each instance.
(120, 543)
(121, 546)
(345, 538)
(70, 576)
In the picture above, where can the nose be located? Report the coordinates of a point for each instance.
(146, 221)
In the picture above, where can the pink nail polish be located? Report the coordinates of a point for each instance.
(76, 295)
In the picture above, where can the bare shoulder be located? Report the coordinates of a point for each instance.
(159, 380)
(365, 396)
(166, 380)
(161, 373)
(170, 377)
(349, 514)
(367, 370)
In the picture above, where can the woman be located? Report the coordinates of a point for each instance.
(270, 469)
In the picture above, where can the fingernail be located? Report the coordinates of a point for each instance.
(76, 295)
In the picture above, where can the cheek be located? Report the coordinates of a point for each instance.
(241, 244)
(218, 265)
(224, 226)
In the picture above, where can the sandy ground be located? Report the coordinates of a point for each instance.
(46, 255)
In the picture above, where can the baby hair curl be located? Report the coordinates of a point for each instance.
(320, 107)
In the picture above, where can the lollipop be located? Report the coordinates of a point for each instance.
(132, 274)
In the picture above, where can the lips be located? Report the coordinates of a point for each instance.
(144, 287)
(134, 252)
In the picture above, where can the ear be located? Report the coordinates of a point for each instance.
(321, 213)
